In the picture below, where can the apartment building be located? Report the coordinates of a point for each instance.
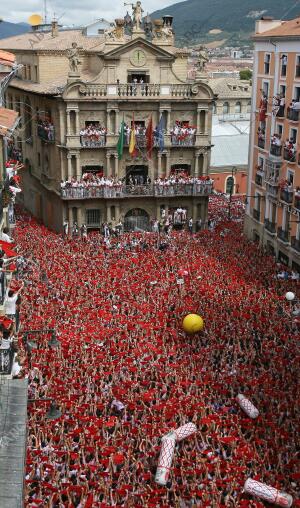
(273, 210)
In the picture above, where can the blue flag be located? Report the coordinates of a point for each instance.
(160, 131)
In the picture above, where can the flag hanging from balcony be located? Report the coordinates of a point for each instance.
(120, 145)
(132, 142)
(150, 138)
(160, 133)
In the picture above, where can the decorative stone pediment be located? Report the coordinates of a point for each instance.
(117, 53)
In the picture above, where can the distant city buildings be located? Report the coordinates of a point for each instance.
(273, 212)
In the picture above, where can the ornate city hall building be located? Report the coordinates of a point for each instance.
(109, 122)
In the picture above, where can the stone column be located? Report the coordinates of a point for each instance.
(206, 122)
(78, 167)
(117, 121)
(159, 155)
(70, 220)
(195, 216)
(62, 127)
(108, 121)
(116, 165)
(167, 163)
(196, 170)
(108, 168)
(117, 212)
(198, 120)
(77, 122)
(69, 157)
(68, 123)
(205, 164)
(108, 213)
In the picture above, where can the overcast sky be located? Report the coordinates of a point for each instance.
(76, 12)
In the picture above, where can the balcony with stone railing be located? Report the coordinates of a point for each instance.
(293, 115)
(283, 235)
(287, 195)
(270, 226)
(93, 141)
(295, 244)
(139, 91)
(126, 191)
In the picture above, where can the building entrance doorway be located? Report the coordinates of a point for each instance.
(136, 175)
(137, 220)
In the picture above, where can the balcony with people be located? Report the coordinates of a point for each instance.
(278, 106)
(286, 192)
(276, 145)
(93, 135)
(46, 130)
(261, 138)
(289, 151)
(98, 186)
(293, 111)
(183, 134)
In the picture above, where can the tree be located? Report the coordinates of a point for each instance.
(246, 74)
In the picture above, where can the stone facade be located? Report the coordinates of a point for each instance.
(101, 91)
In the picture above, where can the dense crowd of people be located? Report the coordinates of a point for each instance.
(125, 373)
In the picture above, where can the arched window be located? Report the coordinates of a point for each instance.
(249, 107)
(238, 107)
(225, 108)
(229, 185)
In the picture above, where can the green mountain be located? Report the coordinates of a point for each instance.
(235, 19)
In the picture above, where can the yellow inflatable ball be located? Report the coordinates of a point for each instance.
(193, 323)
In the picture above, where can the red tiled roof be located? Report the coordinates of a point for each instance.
(289, 28)
(8, 119)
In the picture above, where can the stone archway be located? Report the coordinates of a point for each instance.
(137, 219)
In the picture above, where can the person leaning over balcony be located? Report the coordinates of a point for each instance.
(10, 304)
(5, 237)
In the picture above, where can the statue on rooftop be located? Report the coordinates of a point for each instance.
(202, 59)
(137, 14)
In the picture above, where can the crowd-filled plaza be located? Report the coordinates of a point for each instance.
(124, 373)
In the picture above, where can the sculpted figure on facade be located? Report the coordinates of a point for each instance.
(115, 33)
(137, 14)
(202, 59)
(73, 56)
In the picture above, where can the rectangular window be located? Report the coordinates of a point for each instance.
(297, 93)
(293, 135)
(282, 90)
(290, 177)
(279, 129)
(93, 218)
(29, 73)
(36, 73)
(297, 72)
(39, 159)
(267, 63)
(266, 88)
(284, 62)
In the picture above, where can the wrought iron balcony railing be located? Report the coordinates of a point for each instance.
(276, 150)
(283, 235)
(289, 156)
(270, 226)
(286, 196)
(293, 114)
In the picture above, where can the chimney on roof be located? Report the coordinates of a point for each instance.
(266, 23)
(54, 27)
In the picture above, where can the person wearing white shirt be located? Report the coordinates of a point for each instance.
(5, 237)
